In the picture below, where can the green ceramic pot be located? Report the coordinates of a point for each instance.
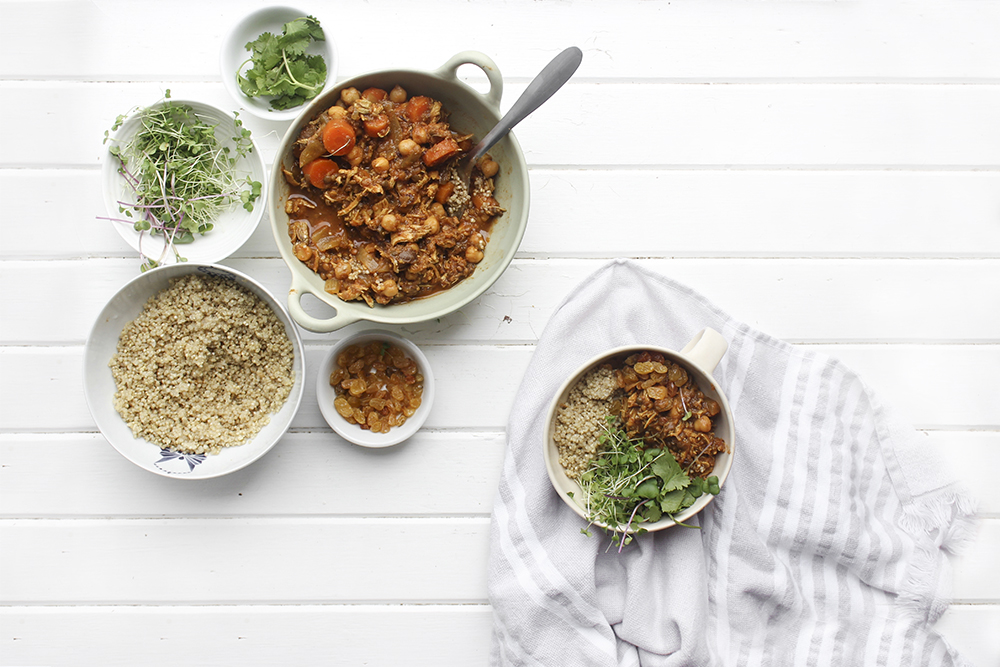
(470, 111)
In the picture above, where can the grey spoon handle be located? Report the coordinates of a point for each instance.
(541, 88)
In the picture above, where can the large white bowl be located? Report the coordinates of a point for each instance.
(470, 111)
(99, 383)
(234, 54)
(231, 230)
(325, 394)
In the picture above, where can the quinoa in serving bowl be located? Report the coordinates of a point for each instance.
(193, 371)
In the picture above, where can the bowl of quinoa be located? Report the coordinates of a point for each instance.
(663, 400)
(193, 371)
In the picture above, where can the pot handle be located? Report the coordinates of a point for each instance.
(450, 71)
(307, 321)
(706, 349)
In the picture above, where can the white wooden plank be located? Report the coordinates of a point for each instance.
(707, 41)
(305, 475)
(975, 568)
(799, 300)
(377, 636)
(831, 125)
(971, 630)
(601, 213)
(476, 385)
(329, 476)
(221, 561)
(982, 448)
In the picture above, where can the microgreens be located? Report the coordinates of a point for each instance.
(627, 485)
(181, 177)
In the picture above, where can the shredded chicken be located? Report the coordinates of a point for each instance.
(386, 223)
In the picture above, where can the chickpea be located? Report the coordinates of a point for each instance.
(703, 424)
(302, 252)
(432, 224)
(488, 167)
(421, 134)
(356, 155)
(390, 289)
(341, 270)
(350, 95)
(336, 112)
(473, 255)
(380, 165)
(397, 95)
(438, 210)
(408, 147)
(389, 222)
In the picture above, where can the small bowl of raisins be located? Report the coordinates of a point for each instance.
(375, 388)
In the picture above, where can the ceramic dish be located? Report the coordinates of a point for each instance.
(699, 358)
(470, 111)
(99, 384)
(325, 394)
(231, 229)
(234, 55)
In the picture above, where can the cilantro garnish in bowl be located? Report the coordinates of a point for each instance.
(281, 69)
(627, 486)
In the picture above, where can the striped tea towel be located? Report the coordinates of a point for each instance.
(827, 545)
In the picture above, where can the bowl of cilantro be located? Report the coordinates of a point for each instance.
(277, 59)
(640, 438)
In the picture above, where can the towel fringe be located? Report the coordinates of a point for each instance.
(942, 521)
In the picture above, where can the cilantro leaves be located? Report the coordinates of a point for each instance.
(281, 68)
(627, 486)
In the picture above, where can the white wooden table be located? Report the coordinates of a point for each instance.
(826, 172)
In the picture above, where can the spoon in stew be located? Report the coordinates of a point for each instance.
(541, 88)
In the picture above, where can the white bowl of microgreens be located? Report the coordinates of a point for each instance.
(277, 59)
(182, 182)
(640, 438)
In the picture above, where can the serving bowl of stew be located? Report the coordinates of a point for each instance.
(362, 207)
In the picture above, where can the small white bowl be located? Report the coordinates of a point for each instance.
(99, 383)
(230, 231)
(325, 394)
(234, 55)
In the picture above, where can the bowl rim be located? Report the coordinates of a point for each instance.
(99, 331)
(233, 51)
(254, 165)
(559, 479)
(351, 312)
(354, 433)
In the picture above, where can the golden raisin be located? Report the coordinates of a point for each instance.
(377, 386)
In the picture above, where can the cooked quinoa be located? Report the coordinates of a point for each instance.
(202, 367)
(581, 419)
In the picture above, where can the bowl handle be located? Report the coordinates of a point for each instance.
(706, 349)
(450, 71)
(307, 321)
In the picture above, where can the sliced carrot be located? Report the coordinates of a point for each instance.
(338, 136)
(444, 192)
(377, 126)
(374, 94)
(317, 171)
(417, 108)
(440, 152)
